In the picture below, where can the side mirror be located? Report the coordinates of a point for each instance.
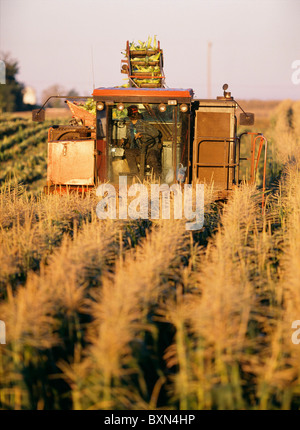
(38, 115)
(247, 118)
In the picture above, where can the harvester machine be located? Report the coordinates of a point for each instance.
(183, 138)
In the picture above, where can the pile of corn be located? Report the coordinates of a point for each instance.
(145, 63)
(90, 106)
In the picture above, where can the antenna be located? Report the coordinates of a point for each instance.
(209, 45)
(92, 57)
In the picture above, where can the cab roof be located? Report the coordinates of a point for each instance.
(154, 95)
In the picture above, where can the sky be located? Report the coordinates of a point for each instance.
(79, 43)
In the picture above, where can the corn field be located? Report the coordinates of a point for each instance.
(142, 314)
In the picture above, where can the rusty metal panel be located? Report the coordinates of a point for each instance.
(71, 162)
(213, 148)
(215, 124)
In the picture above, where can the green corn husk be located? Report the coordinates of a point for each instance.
(90, 106)
(154, 57)
(133, 60)
(135, 47)
(147, 81)
(148, 69)
(144, 45)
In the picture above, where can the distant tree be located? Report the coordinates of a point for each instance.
(54, 90)
(11, 93)
(73, 93)
(57, 90)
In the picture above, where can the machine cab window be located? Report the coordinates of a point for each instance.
(146, 141)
